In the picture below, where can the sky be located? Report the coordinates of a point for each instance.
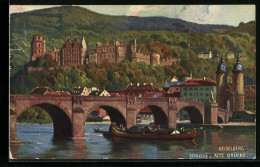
(202, 14)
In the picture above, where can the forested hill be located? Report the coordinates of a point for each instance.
(67, 18)
(55, 24)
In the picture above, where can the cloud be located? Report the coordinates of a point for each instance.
(203, 14)
(17, 8)
(134, 10)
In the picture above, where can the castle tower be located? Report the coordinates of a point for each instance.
(133, 46)
(155, 59)
(238, 86)
(83, 45)
(38, 47)
(221, 79)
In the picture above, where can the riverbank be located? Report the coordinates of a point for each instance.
(26, 123)
(219, 126)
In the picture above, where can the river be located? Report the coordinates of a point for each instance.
(230, 143)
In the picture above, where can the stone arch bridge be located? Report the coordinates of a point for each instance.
(69, 113)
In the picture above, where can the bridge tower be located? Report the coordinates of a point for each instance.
(221, 79)
(238, 86)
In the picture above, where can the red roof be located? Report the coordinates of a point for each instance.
(159, 94)
(64, 93)
(199, 82)
(41, 90)
(146, 110)
(141, 87)
(52, 93)
(175, 94)
(114, 94)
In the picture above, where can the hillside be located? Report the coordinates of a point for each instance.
(55, 24)
(249, 28)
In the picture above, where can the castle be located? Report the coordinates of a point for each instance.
(75, 52)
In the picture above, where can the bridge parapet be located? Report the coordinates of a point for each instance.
(40, 97)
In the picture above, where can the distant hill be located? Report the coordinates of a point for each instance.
(249, 28)
(70, 17)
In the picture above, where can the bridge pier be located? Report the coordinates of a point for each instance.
(13, 132)
(130, 117)
(211, 113)
(214, 113)
(78, 125)
(172, 117)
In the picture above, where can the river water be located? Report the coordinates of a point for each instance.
(227, 143)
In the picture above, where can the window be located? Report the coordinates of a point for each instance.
(195, 88)
(207, 94)
(185, 88)
(190, 94)
(185, 94)
(206, 88)
(201, 88)
(201, 94)
(190, 88)
(39, 45)
(196, 94)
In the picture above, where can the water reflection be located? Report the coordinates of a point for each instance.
(43, 146)
(142, 149)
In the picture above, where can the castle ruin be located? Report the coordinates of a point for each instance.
(75, 52)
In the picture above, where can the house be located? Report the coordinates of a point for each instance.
(173, 79)
(140, 90)
(40, 91)
(158, 94)
(99, 93)
(206, 55)
(230, 56)
(198, 89)
(104, 93)
(64, 93)
(250, 98)
(82, 91)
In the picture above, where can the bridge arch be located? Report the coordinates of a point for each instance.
(113, 112)
(220, 120)
(196, 117)
(12, 112)
(160, 117)
(61, 121)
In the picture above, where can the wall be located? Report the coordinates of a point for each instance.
(168, 61)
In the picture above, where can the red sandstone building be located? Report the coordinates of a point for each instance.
(75, 52)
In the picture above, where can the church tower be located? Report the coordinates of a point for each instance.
(38, 47)
(238, 86)
(221, 79)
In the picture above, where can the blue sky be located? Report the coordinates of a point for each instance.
(203, 14)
